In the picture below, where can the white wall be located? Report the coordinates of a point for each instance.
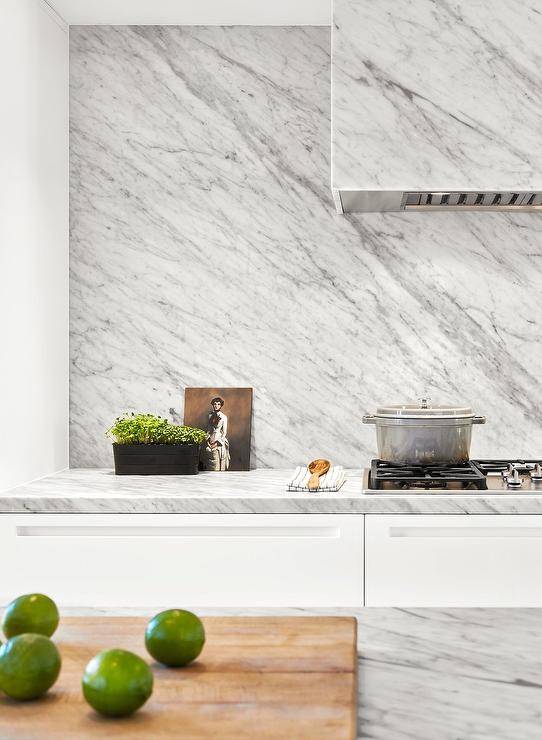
(200, 13)
(33, 242)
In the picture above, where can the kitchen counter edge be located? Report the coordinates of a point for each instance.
(261, 491)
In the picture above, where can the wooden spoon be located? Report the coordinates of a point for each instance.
(316, 469)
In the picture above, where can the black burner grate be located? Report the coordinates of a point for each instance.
(396, 475)
(497, 466)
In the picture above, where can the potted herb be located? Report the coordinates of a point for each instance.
(150, 445)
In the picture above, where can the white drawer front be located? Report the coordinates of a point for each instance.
(199, 560)
(417, 560)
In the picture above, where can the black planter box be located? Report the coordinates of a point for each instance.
(144, 459)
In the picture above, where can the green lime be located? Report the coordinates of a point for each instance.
(34, 613)
(29, 666)
(117, 682)
(175, 637)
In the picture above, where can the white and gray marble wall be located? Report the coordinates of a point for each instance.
(205, 250)
(448, 92)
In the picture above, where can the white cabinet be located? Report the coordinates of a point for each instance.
(457, 560)
(130, 560)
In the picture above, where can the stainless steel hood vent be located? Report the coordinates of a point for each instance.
(431, 94)
(362, 201)
(472, 201)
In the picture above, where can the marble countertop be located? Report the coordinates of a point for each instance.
(263, 491)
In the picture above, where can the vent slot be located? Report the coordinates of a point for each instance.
(472, 200)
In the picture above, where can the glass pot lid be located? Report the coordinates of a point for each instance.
(424, 409)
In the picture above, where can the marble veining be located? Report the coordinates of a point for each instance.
(437, 674)
(87, 491)
(205, 250)
(446, 94)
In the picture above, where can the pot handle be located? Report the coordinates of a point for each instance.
(479, 420)
(368, 419)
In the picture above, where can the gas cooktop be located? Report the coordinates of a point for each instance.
(489, 476)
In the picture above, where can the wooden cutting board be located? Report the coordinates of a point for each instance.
(257, 677)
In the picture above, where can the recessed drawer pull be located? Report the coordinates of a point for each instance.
(180, 531)
(474, 532)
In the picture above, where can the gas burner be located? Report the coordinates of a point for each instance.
(438, 476)
(523, 467)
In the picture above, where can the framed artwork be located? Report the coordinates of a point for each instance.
(226, 416)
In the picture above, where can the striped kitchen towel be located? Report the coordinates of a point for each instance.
(331, 481)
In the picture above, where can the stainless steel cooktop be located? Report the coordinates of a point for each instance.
(505, 477)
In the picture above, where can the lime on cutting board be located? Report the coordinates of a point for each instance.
(34, 613)
(175, 637)
(117, 682)
(29, 666)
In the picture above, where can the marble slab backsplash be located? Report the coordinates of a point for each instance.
(205, 250)
(449, 92)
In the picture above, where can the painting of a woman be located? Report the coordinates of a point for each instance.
(218, 447)
(226, 415)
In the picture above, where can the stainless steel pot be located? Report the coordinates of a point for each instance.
(423, 433)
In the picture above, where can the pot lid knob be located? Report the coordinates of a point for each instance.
(424, 402)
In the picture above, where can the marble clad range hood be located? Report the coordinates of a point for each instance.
(437, 105)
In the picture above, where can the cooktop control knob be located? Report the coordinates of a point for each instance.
(508, 471)
(536, 474)
(513, 480)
